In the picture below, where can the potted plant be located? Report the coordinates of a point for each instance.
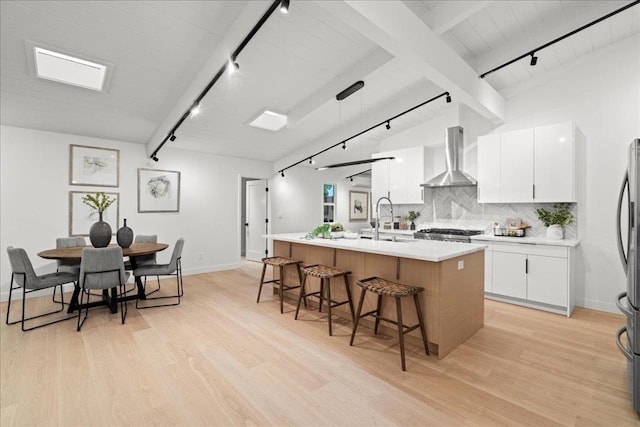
(555, 219)
(337, 230)
(411, 217)
(100, 232)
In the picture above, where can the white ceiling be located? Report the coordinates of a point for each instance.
(164, 52)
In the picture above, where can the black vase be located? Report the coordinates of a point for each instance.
(412, 226)
(100, 233)
(124, 236)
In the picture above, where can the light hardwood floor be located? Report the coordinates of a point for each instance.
(221, 359)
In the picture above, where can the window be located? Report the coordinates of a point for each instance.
(329, 203)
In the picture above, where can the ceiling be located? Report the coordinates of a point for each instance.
(163, 53)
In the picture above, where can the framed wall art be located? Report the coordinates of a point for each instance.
(158, 190)
(94, 166)
(358, 206)
(82, 217)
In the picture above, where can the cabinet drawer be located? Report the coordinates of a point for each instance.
(523, 248)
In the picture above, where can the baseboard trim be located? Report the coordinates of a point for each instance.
(609, 307)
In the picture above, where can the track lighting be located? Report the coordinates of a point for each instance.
(448, 98)
(172, 138)
(534, 59)
(282, 174)
(284, 6)
(195, 110)
(351, 178)
(154, 158)
(343, 143)
(233, 66)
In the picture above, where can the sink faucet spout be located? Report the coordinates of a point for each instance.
(376, 235)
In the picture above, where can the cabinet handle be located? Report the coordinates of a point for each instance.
(422, 194)
(526, 266)
(534, 191)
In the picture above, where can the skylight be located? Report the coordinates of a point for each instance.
(63, 68)
(270, 121)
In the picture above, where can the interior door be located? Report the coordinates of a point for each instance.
(256, 215)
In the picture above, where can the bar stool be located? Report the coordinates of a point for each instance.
(281, 263)
(325, 274)
(383, 287)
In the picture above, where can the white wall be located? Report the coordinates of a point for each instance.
(296, 200)
(34, 196)
(601, 94)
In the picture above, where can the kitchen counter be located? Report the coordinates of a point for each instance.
(451, 273)
(572, 243)
(425, 250)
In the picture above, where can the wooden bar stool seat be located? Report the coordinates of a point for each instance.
(383, 287)
(280, 263)
(325, 274)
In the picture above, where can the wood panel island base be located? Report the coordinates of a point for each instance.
(452, 275)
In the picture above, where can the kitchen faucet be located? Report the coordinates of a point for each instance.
(376, 235)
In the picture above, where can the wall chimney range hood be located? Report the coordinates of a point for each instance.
(453, 176)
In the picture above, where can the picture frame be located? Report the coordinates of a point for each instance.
(158, 190)
(82, 217)
(358, 206)
(94, 166)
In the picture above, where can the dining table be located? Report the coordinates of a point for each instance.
(75, 253)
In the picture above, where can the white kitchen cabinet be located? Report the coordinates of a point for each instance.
(400, 178)
(555, 163)
(529, 165)
(537, 276)
(516, 166)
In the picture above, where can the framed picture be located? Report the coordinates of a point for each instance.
(82, 217)
(158, 190)
(94, 166)
(358, 206)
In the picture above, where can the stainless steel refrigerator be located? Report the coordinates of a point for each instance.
(629, 301)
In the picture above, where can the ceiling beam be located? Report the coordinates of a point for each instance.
(447, 15)
(396, 29)
(236, 33)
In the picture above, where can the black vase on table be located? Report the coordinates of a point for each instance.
(100, 233)
(124, 236)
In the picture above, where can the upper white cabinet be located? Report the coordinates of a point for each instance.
(529, 165)
(400, 178)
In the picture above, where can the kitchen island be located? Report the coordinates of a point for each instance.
(451, 273)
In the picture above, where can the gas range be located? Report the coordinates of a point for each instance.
(446, 234)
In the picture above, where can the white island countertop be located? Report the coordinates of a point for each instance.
(572, 243)
(425, 250)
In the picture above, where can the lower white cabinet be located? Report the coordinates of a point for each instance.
(534, 275)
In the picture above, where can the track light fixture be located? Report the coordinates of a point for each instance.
(274, 5)
(351, 178)
(343, 143)
(388, 125)
(172, 138)
(195, 110)
(284, 6)
(448, 98)
(154, 158)
(534, 59)
(233, 66)
(282, 174)
(311, 160)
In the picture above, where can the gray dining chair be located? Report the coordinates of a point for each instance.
(68, 266)
(24, 276)
(144, 259)
(173, 268)
(102, 268)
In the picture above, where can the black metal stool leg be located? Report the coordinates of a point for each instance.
(421, 322)
(264, 269)
(400, 331)
(355, 323)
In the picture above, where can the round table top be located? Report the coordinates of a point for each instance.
(136, 249)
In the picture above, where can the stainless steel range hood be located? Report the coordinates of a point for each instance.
(453, 176)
